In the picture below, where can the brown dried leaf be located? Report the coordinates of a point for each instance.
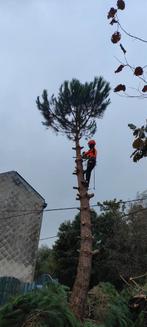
(137, 143)
(144, 88)
(123, 49)
(120, 87)
(116, 37)
(111, 13)
(119, 69)
(121, 4)
(138, 71)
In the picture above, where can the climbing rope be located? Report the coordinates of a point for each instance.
(94, 178)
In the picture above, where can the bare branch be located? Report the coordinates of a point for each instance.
(129, 34)
(126, 95)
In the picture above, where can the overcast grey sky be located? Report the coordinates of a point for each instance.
(44, 42)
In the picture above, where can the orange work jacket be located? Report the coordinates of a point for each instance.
(92, 153)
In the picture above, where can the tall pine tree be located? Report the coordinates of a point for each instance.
(73, 113)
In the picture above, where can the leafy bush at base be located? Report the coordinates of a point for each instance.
(48, 307)
(42, 308)
(108, 308)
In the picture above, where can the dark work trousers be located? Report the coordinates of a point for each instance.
(90, 165)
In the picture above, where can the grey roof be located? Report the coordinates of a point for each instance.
(14, 173)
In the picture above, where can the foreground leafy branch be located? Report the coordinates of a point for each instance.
(140, 142)
(138, 71)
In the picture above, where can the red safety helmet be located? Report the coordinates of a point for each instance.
(91, 142)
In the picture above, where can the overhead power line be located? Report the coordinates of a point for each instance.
(134, 212)
(25, 211)
(126, 215)
(28, 212)
(47, 238)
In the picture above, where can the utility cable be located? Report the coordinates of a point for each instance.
(126, 215)
(26, 212)
(47, 238)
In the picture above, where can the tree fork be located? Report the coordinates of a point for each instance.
(81, 284)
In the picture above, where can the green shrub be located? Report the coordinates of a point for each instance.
(42, 308)
(108, 308)
(90, 324)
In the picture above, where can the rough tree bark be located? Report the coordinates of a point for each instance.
(81, 284)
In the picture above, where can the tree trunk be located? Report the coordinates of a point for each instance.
(81, 284)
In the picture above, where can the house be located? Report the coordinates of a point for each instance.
(21, 211)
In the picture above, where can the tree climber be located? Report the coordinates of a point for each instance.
(89, 155)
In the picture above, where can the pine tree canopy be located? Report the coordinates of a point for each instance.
(74, 111)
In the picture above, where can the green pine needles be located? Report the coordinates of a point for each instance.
(108, 308)
(49, 307)
(43, 308)
(74, 110)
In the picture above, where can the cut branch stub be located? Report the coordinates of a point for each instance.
(76, 188)
(138, 71)
(76, 172)
(116, 37)
(111, 13)
(120, 87)
(121, 4)
(119, 69)
(144, 88)
(90, 195)
(84, 208)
